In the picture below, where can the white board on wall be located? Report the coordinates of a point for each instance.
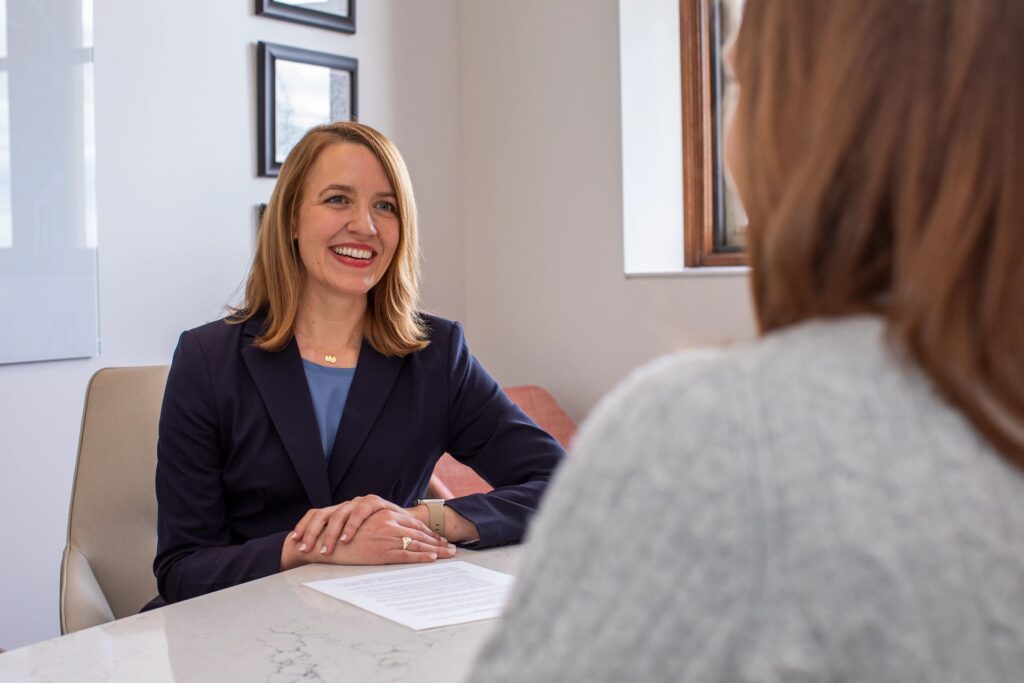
(48, 235)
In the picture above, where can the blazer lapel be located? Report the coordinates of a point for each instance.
(371, 385)
(281, 381)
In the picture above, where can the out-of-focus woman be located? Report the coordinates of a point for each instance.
(843, 499)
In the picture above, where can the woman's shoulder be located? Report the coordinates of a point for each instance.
(219, 338)
(221, 330)
(841, 349)
(647, 400)
(438, 327)
(442, 334)
(725, 393)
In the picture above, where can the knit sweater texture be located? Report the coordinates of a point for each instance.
(802, 508)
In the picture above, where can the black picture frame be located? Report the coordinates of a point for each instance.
(346, 23)
(268, 57)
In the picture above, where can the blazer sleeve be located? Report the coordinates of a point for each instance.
(195, 554)
(493, 436)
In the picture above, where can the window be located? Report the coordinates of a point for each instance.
(675, 95)
(714, 223)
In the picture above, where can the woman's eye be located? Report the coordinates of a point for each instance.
(337, 199)
(387, 206)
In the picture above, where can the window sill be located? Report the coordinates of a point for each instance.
(705, 271)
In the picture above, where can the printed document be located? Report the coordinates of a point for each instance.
(442, 594)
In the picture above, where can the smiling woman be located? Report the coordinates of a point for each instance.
(305, 426)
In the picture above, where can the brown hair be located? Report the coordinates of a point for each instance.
(883, 171)
(392, 325)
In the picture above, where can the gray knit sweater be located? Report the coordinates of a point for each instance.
(802, 508)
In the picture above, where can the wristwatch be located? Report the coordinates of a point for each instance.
(435, 508)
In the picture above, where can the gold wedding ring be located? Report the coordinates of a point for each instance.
(405, 542)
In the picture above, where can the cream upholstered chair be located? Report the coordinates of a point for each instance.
(107, 569)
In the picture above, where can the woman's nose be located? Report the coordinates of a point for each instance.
(362, 223)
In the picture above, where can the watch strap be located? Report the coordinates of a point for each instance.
(435, 511)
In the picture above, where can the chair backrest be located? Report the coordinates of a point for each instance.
(543, 409)
(107, 568)
(452, 479)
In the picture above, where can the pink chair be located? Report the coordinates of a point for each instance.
(452, 479)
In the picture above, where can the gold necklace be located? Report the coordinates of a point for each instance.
(328, 357)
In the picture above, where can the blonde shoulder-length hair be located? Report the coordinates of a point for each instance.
(883, 171)
(392, 324)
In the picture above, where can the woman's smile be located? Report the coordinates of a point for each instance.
(354, 255)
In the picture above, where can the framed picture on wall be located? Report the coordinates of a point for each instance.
(296, 90)
(337, 15)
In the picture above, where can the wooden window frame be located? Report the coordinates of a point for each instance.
(703, 186)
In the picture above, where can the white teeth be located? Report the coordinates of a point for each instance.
(352, 252)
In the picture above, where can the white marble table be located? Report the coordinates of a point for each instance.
(274, 629)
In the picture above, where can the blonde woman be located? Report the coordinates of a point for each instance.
(843, 499)
(305, 426)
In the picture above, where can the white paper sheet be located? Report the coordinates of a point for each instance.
(435, 595)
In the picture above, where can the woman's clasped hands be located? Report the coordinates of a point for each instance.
(364, 530)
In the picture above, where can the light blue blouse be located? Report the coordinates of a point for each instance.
(329, 389)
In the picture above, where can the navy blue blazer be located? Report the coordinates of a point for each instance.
(239, 459)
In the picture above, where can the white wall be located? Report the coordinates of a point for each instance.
(176, 190)
(547, 302)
